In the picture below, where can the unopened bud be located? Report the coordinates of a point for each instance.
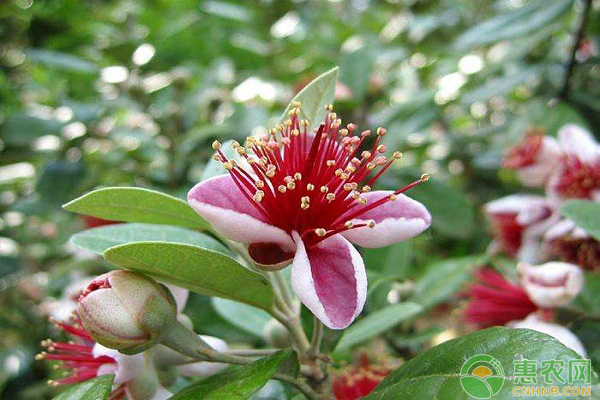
(126, 311)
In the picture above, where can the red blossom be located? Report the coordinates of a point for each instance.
(495, 301)
(355, 381)
(77, 358)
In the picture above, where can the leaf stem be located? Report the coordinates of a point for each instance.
(317, 337)
(578, 36)
(301, 386)
(283, 288)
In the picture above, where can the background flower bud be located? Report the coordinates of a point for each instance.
(126, 311)
(552, 284)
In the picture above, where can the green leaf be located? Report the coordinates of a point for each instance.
(585, 214)
(314, 97)
(448, 206)
(59, 181)
(250, 319)
(238, 384)
(94, 389)
(500, 86)
(435, 374)
(355, 69)
(378, 322)
(20, 129)
(196, 269)
(588, 299)
(100, 239)
(65, 61)
(132, 204)
(442, 279)
(520, 22)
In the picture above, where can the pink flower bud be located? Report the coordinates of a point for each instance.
(534, 158)
(126, 311)
(552, 284)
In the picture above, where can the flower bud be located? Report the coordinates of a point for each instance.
(552, 284)
(126, 311)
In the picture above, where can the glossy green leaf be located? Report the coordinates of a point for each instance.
(314, 97)
(194, 268)
(378, 322)
(442, 279)
(100, 239)
(435, 374)
(248, 318)
(94, 389)
(585, 214)
(355, 69)
(526, 19)
(133, 204)
(237, 384)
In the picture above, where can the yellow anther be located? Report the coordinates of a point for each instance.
(241, 151)
(381, 131)
(329, 107)
(305, 199)
(304, 122)
(217, 157)
(228, 166)
(330, 196)
(216, 145)
(324, 189)
(270, 173)
(304, 206)
(339, 172)
(297, 176)
(365, 154)
(291, 185)
(371, 224)
(320, 232)
(343, 132)
(371, 166)
(282, 188)
(235, 144)
(330, 163)
(350, 186)
(344, 176)
(257, 198)
(381, 148)
(259, 184)
(362, 200)
(393, 197)
(366, 188)
(287, 122)
(424, 177)
(295, 132)
(348, 224)
(397, 155)
(310, 187)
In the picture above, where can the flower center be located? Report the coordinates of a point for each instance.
(314, 184)
(524, 153)
(578, 179)
(100, 282)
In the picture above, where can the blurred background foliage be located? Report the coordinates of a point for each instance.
(123, 92)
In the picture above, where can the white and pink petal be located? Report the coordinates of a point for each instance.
(220, 201)
(395, 220)
(330, 280)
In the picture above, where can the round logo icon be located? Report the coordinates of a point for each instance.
(482, 376)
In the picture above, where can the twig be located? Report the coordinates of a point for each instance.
(317, 336)
(301, 386)
(566, 87)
